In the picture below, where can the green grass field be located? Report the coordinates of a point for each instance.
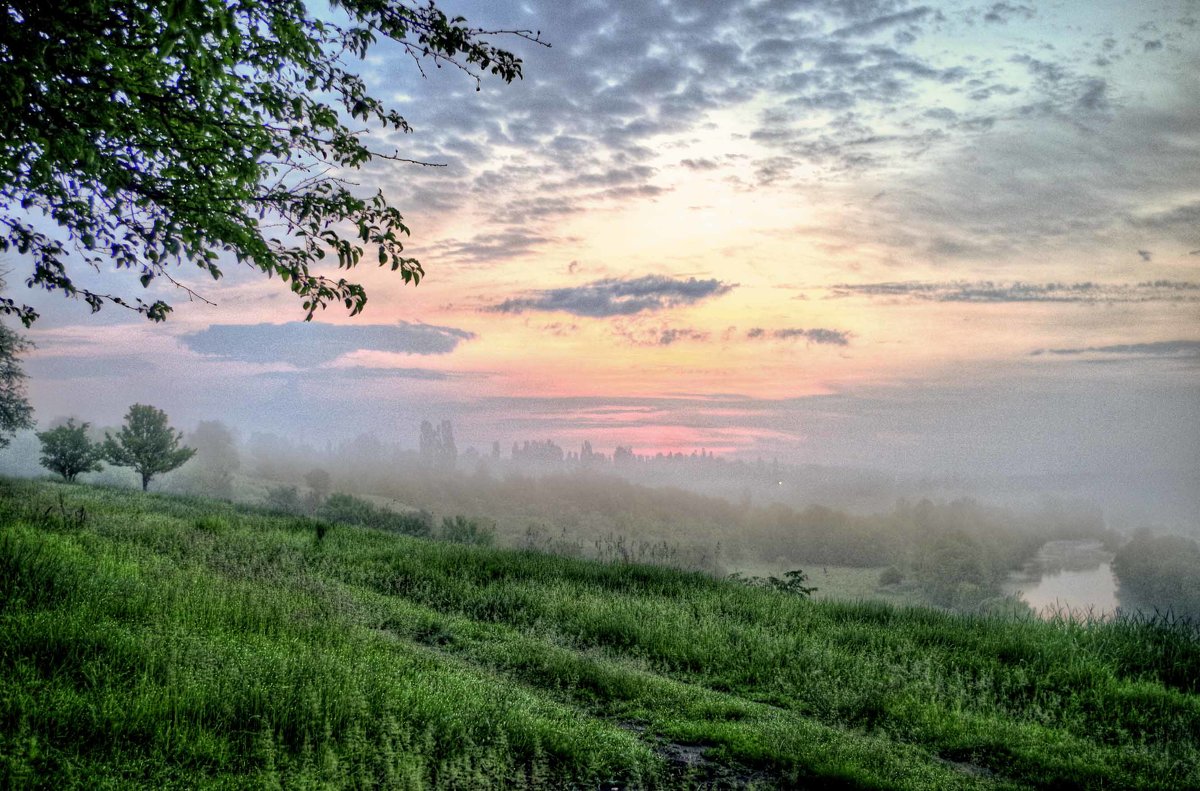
(153, 641)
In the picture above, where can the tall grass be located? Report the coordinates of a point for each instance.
(156, 641)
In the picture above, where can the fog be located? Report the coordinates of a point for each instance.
(968, 541)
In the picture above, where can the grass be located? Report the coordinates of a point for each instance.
(152, 641)
(847, 583)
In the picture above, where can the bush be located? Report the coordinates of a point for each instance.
(792, 582)
(462, 530)
(1160, 572)
(350, 510)
(284, 500)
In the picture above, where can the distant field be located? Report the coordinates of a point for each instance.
(154, 642)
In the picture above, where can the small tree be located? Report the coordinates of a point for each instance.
(147, 443)
(68, 451)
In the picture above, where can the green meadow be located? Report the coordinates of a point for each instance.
(150, 641)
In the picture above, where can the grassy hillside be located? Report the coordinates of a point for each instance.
(155, 641)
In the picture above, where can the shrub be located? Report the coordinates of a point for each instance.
(284, 500)
(350, 510)
(462, 530)
(792, 582)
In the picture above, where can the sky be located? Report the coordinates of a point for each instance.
(939, 238)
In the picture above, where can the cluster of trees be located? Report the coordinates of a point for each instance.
(958, 569)
(146, 443)
(211, 470)
(437, 446)
(1159, 572)
(538, 453)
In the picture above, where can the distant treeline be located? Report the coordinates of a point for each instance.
(954, 553)
(760, 481)
(957, 553)
(1160, 572)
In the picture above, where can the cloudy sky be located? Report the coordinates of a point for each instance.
(931, 237)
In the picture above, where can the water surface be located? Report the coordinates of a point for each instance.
(1069, 575)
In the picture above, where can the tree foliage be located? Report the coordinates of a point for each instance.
(147, 443)
(15, 411)
(154, 134)
(67, 450)
(1161, 572)
(284, 500)
(216, 460)
(437, 445)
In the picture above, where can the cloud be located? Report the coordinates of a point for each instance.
(502, 245)
(559, 329)
(1094, 95)
(1000, 13)
(80, 367)
(615, 297)
(1182, 220)
(362, 372)
(817, 335)
(307, 344)
(845, 90)
(661, 336)
(1160, 349)
(886, 21)
(1063, 92)
(986, 292)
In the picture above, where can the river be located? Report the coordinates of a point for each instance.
(1068, 575)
